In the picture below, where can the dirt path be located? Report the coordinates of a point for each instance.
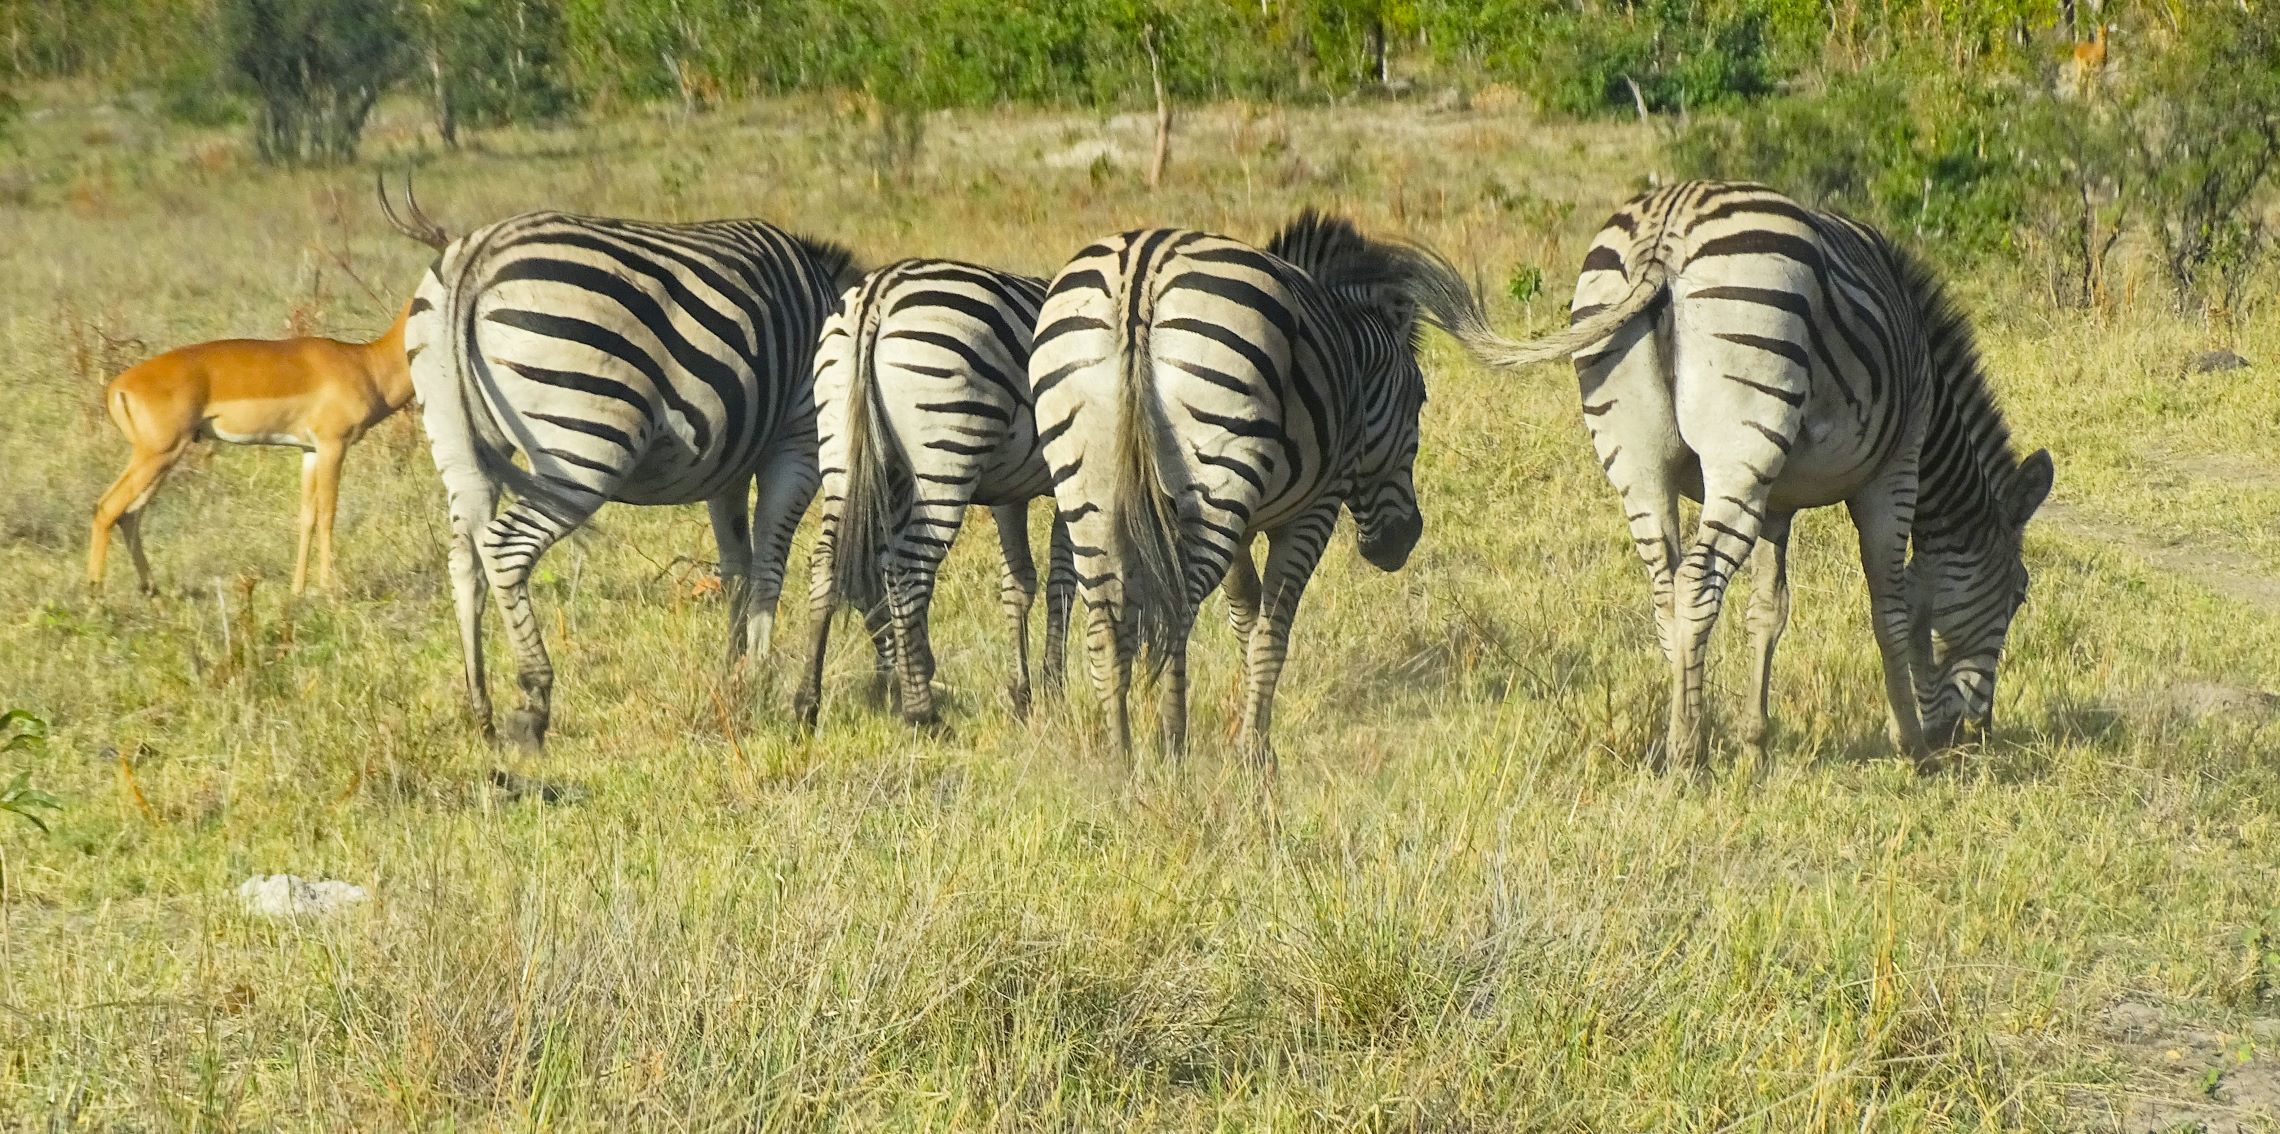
(2228, 573)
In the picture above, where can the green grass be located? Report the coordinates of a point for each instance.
(1463, 906)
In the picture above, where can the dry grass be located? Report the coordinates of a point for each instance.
(1463, 907)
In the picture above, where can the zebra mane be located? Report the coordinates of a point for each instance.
(835, 260)
(1333, 251)
(1960, 377)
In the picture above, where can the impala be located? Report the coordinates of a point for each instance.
(314, 394)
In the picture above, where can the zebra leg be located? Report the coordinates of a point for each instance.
(732, 535)
(787, 485)
(911, 561)
(823, 604)
(880, 625)
(1884, 515)
(1060, 592)
(1767, 618)
(1728, 529)
(1242, 591)
(471, 503)
(1108, 644)
(1017, 592)
(1172, 706)
(511, 546)
(1292, 553)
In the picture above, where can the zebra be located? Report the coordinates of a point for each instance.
(621, 360)
(1194, 392)
(922, 394)
(1760, 357)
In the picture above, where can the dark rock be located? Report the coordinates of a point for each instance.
(2212, 361)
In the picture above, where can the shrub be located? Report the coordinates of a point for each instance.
(1929, 155)
(314, 69)
(490, 63)
(2203, 128)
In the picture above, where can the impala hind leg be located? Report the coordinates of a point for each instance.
(1017, 592)
(120, 506)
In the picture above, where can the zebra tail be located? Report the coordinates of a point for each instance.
(874, 478)
(1143, 501)
(1500, 353)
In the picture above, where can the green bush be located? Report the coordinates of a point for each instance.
(2203, 133)
(314, 69)
(1927, 154)
(487, 63)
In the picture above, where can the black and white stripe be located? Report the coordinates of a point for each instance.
(1760, 357)
(1193, 392)
(923, 407)
(620, 360)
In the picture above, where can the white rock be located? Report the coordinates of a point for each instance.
(284, 895)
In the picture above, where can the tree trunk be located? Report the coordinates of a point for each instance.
(1163, 110)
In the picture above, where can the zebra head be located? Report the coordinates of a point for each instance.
(1962, 596)
(1387, 291)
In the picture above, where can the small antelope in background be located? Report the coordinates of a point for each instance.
(315, 394)
(312, 393)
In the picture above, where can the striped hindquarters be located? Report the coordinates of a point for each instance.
(922, 395)
(648, 363)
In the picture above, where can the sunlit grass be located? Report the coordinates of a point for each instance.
(1463, 905)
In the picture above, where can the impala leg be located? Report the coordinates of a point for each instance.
(305, 527)
(130, 528)
(1768, 617)
(330, 458)
(1017, 592)
(119, 506)
(1292, 553)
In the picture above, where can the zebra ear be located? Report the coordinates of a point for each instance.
(2031, 487)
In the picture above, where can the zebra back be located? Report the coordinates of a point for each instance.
(652, 363)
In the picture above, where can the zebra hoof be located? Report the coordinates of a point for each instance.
(1020, 697)
(526, 729)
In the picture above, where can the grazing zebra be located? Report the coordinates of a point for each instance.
(1761, 357)
(1193, 392)
(922, 401)
(644, 363)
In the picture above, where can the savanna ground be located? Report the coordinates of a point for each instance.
(1463, 906)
